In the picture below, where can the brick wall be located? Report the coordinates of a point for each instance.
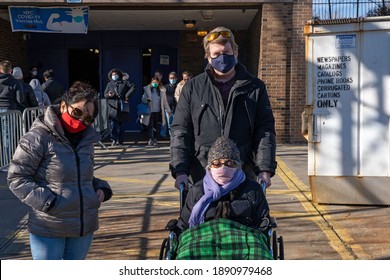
(274, 62)
(302, 12)
(282, 64)
(12, 45)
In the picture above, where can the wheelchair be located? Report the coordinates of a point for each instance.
(169, 244)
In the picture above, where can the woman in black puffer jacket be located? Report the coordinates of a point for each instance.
(52, 172)
(224, 192)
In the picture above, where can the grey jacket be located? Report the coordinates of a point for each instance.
(147, 97)
(56, 180)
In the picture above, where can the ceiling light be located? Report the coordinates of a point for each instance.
(201, 33)
(189, 23)
(207, 15)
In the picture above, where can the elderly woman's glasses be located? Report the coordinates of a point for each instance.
(82, 116)
(215, 35)
(219, 163)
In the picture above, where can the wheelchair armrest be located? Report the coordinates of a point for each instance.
(171, 225)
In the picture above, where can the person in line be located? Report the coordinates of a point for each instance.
(32, 74)
(52, 172)
(224, 193)
(118, 90)
(52, 87)
(11, 91)
(155, 96)
(41, 96)
(160, 75)
(11, 98)
(29, 96)
(225, 100)
(170, 92)
(185, 77)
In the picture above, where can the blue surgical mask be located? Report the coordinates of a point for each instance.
(172, 81)
(154, 85)
(115, 77)
(224, 62)
(78, 18)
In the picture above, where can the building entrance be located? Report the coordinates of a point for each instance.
(83, 65)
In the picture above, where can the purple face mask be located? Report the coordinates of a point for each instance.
(224, 62)
(223, 174)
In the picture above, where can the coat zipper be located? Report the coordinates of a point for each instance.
(80, 194)
(249, 116)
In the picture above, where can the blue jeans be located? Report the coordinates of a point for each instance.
(60, 248)
(117, 131)
(169, 120)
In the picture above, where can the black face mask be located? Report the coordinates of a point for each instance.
(224, 62)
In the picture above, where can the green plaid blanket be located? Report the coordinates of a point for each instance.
(223, 239)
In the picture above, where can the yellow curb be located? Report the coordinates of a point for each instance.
(339, 238)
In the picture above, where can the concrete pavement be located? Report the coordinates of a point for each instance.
(132, 222)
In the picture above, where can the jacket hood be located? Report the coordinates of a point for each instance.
(5, 77)
(36, 85)
(117, 70)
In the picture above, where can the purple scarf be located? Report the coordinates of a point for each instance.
(212, 192)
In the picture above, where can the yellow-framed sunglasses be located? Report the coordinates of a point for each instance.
(215, 35)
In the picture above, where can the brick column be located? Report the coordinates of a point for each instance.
(274, 62)
(282, 64)
(302, 12)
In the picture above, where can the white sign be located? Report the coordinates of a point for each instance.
(164, 59)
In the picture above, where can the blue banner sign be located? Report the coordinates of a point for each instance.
(52, 20)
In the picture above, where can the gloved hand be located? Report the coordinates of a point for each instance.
(182, 178)
(264, 176)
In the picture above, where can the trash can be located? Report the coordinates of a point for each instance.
(348, 110)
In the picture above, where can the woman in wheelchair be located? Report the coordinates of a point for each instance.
(226, 214)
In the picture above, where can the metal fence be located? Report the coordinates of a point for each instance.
(343, 9)
(11, 130)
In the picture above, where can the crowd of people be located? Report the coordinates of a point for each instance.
(18, 92)
(222, 142)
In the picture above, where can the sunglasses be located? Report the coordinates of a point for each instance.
(215, 35)
(82, 116)
(219, 163)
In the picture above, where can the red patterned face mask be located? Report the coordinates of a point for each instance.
(71, 124)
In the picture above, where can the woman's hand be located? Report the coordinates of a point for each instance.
(100, 195)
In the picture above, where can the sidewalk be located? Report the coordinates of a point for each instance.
(132, 222)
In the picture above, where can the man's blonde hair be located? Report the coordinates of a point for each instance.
(220, 40)
(6, 66)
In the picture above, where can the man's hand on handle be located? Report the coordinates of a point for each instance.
(182, 178)
(264, 176)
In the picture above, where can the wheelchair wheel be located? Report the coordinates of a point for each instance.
(163, 249)
(281, 248)
(274, 240)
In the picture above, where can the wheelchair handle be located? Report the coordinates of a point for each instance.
(263, 186)
(182, 198)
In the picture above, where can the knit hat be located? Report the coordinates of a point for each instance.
(17, 73)
(223, 148)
